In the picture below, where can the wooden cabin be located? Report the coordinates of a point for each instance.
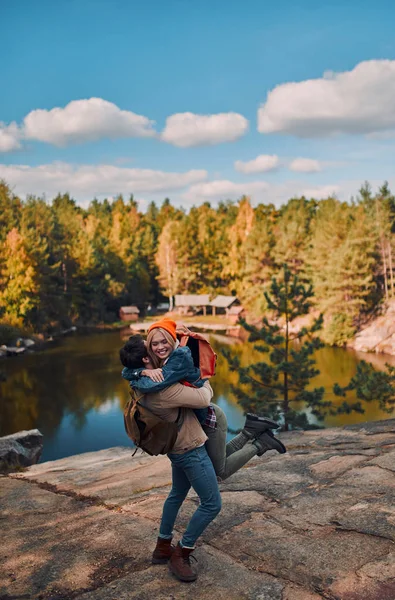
(235, 313)
(129, 313)
(222, 304)
(191, 304)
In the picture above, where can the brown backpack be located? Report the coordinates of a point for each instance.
(148, 431)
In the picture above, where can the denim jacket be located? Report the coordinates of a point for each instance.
(178, 367)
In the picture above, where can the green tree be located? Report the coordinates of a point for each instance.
(292, 233)
(38, 229)
(10, 210)
(380, 209)
(259, 265)
(341, 264)
(279, 385)
(371, 386)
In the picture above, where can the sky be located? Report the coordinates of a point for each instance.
(197, 101)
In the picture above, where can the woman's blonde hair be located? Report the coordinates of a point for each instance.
(157, 362)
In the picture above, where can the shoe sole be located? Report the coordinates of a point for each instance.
(282, 449)
(274, 444)
(185, 579)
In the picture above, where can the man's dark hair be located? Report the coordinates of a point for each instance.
(133, 352)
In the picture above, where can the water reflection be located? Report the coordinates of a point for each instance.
(74, 393)
(336, 365)
(67, 385)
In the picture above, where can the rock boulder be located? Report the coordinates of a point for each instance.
(21, 449)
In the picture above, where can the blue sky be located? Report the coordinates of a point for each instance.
(198, 101)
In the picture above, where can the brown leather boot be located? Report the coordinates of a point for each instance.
(163, 551)
(180, 564)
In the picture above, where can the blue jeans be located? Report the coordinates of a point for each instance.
(192, 469)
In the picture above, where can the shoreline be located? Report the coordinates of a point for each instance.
(38, 343)
(363, 342)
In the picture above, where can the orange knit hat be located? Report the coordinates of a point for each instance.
(167, 324)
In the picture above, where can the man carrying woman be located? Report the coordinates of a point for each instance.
(200, 453)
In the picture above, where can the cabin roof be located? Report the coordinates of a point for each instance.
(223, 301)
(192, 300)
(130, 310)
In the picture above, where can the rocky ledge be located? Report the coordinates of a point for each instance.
(315, 523)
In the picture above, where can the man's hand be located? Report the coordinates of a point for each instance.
(154, 374)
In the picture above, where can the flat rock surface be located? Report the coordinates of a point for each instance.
(315, 523)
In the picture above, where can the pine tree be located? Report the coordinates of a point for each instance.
(38, 229)
(10, 210)
(369, 385)
(380, 209)
(341, 263)
(259, 265)
(238, 235)
(276, 386)
(292, 233)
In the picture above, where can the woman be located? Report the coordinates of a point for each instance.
(254, 439)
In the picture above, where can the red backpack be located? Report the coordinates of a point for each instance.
(203, 355)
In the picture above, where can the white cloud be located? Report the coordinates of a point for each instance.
(305, 165)
(259, 191)
(260, 164)
(188, 129)
(360, 101)
(10, 136)
(223, 189)
(84, 182)
(85, 120)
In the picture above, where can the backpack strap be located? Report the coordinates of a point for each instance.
(183, 339)
(135, 396)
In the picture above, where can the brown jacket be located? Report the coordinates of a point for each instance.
(165, 404)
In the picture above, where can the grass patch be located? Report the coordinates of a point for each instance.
(9, 333)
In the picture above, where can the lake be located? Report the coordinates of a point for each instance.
(74, 395)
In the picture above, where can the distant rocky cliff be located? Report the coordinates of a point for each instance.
(379, 335)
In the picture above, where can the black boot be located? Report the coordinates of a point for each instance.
(255, 425)
(266, 441)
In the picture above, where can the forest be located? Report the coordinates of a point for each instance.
(62, 264)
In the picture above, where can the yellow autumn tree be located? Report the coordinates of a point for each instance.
(18, 280)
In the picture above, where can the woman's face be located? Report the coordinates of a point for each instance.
(160, 346)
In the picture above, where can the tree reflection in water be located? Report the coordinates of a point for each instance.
(70, 380)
